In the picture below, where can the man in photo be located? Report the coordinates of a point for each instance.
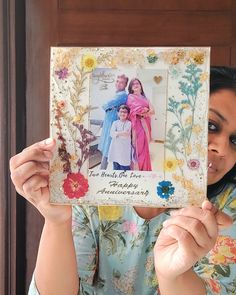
(110, 109)
(120, 148)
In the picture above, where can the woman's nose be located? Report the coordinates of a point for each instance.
(219, 145)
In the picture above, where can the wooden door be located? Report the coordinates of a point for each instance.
(112, 23)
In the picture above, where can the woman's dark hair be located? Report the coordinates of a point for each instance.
(222, 78)
(131, 85)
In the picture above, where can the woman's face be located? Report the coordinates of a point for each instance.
(136, 87)
(222, 134)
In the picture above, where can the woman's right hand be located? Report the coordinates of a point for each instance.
(30, 175)
(145, 110)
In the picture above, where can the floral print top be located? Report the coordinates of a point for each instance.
(114, 248)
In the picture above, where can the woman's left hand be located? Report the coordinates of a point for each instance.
(186, 237)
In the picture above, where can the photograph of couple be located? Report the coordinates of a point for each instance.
(124, 120)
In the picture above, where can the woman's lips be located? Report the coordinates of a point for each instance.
(211, 167)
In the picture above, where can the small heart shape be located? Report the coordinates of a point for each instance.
(157, 79)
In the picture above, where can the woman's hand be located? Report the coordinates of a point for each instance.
(145, 110)
(30, 175)
(186, 237)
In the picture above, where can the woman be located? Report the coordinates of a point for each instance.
(140, 112)
(114, 252)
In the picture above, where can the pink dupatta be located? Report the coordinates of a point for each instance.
(141, 131)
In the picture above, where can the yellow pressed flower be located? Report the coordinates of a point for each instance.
(204, 76)
(113, 63)
(185, 106)
(77, 119)
(197, 129)
(188, 120)
(181, 54)
(74, 157)
(199, 58)
(89, 62)
(175, 60)
(109, 212)
(56, 165)
(170, 164)
(64, 57)
(176, 177)
(83, 110)
(150, 52)
(201, 150)
(188, 184)
(188, 149)
(180, 163)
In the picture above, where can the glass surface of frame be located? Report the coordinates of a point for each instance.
(130, 125)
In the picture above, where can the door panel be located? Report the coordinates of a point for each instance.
(112, 23)
(149, 5)
(149, 28)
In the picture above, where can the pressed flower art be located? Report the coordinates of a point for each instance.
(157, 131)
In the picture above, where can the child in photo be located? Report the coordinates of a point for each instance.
(120, 148)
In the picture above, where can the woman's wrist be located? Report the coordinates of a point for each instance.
(181, 283)
(52, 224)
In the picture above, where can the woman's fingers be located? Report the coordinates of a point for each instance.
(207, 218)
(48, 143)
(22, 173)
(194, 227)
(184, 238)
(32, 161)
(223, 220)
(37, 152)
(33, 187)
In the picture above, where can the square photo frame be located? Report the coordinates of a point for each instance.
(130, 125)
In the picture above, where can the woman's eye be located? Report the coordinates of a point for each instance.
(212, 127)
(233, 139)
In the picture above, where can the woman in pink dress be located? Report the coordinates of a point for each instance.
(140, 112)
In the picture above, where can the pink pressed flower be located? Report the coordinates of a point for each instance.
(61, 104)
(130, 227)
(193, 164)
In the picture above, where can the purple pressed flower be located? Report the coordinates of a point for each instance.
(193, 164)
(62, 73)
